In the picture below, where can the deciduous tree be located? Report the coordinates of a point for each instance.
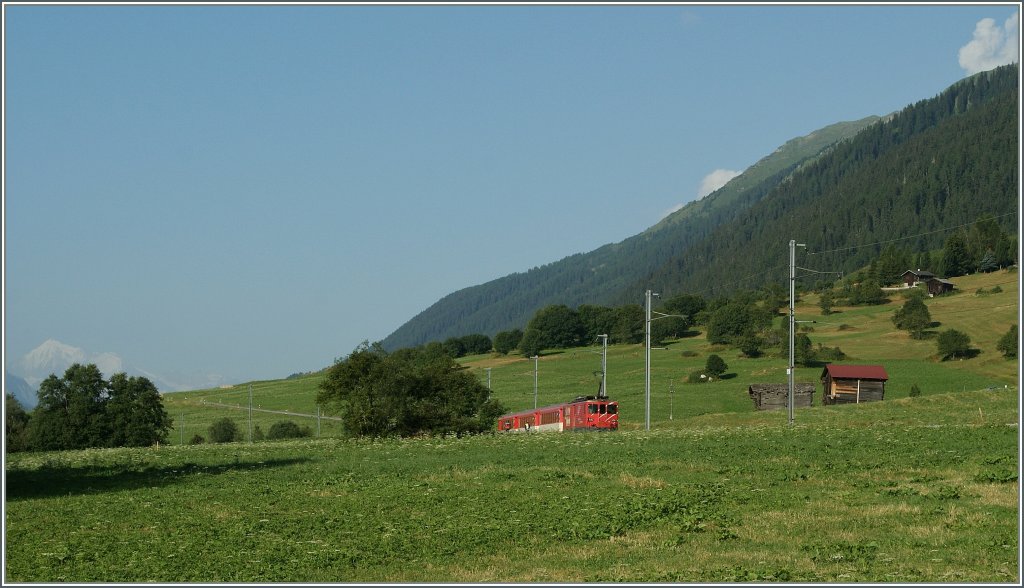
(408, 392)
(507, 341)
(135, 412)
(953, 344)
(913, 317)
(1007, 344)
(15, 425)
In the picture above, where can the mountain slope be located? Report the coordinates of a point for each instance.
(605, 275)
(939, 163)
(20, 389)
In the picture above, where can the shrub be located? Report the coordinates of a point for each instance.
(697, 377)
(915, 391)
(288, 430)
(196, 439)
(829, 353)
(223, 431)
(715, 366)
(751, 346)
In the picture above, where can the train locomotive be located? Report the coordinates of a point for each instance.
(584, 413)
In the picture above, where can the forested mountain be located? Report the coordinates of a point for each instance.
(940, 163)
(937, 163)
(602, 275)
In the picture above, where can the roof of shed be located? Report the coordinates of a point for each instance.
(783, 388)
(859, 372)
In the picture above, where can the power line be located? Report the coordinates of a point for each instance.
(741, 280)
(968, 310)
(908, 237)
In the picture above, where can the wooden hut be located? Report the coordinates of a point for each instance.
(776, 396)
(937, 286)
(853, 383)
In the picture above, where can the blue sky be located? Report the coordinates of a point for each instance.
(244, 192)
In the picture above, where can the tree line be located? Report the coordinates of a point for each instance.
(81, 409)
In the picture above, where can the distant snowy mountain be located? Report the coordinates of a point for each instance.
(20, 389)
(55, 357)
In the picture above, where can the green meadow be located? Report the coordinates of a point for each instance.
(911, 489)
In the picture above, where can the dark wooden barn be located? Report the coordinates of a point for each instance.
(853, 383)
(776, 396)
(937, 286)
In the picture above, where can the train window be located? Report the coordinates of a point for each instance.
(613, 408)
(601, 408)
(592, 409)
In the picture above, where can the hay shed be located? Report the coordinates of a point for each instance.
(776, 396)
(849, 384)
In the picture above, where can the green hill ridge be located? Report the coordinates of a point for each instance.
(938, 163)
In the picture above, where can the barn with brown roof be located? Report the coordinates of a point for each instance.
(845, 384)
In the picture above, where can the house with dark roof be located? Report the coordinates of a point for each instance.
(853, 384)
(911, 277)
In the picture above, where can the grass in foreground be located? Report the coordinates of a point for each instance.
(912, 490)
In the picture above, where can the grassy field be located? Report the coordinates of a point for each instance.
(919, 489)
(910, 490)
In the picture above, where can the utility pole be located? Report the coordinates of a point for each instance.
(604, 367)
(647, 364)
(182, 428)
(535, 358)
(671, 394)
(488, 378)
(250, 413)
(792, 320)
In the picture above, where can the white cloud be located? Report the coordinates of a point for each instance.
(108, 363)
(992, 46)
(675, 208)
(715, 180)
(709, 184)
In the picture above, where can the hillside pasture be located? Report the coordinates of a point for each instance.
(866, 334)
(193, 412)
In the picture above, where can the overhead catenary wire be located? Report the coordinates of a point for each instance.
(741, 280)
(886, 242)
(807, 251)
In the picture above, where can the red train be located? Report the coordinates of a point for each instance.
(585, 413)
